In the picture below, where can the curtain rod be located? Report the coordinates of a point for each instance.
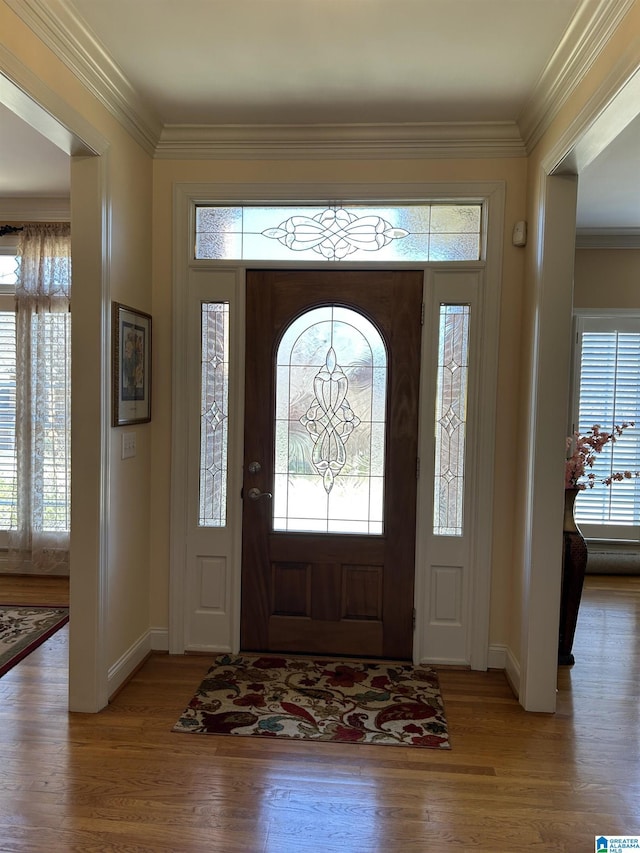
(9, 229)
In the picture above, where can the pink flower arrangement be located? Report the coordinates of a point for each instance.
(584, 450)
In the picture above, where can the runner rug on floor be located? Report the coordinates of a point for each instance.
(23, 628)
(340, 702)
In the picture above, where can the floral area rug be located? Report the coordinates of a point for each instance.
(339, 702)
(22, 629)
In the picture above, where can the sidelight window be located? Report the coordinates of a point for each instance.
(214, 413)
(451, 419)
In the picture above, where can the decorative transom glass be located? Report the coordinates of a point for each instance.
(214, 414)
(331, 390)
(421, 232)
(451, 419)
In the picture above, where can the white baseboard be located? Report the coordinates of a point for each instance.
(497, 657)
(124, 668)
(159, 639)
(154, 640)
(501, 657)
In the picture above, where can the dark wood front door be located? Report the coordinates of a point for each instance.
(317, 437)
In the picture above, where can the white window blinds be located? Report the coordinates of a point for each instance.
(7, 416)
(8, 266)
(608, 392)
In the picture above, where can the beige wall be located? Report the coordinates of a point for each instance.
(511, 171)
(130, 187)
(607, 278)
(123, 181)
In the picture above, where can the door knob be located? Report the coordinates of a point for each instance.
(255, 494)
(255, 467)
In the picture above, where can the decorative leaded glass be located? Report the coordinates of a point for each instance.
(421, 232)
(451, 419)
(214, 414)
(330, 420)
(331, 387)
(335, 233)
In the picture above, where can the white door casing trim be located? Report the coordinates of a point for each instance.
(480, 458)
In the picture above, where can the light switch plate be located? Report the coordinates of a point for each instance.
(519, 237)
(128, 445)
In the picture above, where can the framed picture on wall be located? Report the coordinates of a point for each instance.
(131, 365)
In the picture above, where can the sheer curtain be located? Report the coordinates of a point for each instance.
(39, 532)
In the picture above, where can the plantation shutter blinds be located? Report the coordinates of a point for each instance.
(8, 268)
(7, 416)
(608, 365)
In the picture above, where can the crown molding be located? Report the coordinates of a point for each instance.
(66, 34)
(73, 43)
(585, 38)
(333, 141)
(35, 209)
(608, 238)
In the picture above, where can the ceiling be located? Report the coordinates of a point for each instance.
(331, 61)
(328, 62)
(30, 165)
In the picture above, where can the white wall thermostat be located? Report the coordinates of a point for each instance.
(519, 237)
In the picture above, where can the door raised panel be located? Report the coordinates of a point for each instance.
(291, 590)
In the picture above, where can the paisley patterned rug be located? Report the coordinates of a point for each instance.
(304, 699)
(22, 629)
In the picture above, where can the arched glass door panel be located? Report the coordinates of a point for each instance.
(331, 390)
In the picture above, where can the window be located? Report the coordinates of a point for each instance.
(451, 419)
(214, 409)
(607, 391)
(425, 232)
(35, 429)
(8, 263)
(331, 391)
(7, 391)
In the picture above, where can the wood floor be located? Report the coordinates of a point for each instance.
(513, 782)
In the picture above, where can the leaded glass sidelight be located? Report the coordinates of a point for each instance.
(451, 419)
(331, 389)
(214, 407)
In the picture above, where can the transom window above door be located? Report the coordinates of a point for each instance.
(418, 233)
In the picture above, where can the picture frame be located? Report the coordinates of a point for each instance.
(131, 365)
